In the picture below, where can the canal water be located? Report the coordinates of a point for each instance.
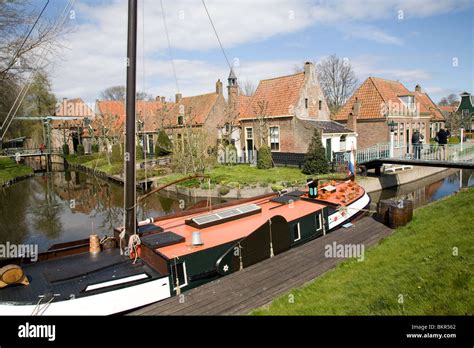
(63, 206)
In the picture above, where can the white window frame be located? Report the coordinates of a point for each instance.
(320, 223)
(246, 134)
(299, 232)
(185, 276)
(270, 138)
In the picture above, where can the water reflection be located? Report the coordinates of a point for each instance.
(428, 189)
(64, 206)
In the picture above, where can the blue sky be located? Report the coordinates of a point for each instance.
(413, 41)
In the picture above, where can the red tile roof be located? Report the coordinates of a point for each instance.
(196, 109)
(276, 96)
(376, 92)
(448, 108)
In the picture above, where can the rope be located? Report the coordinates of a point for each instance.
(133, 242)
(38, 310)
(271, 239)
(169, 45)
(217, 35)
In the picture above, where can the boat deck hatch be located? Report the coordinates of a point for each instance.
(148, 228)
(223, 216)
(163, 239)
(285, 199)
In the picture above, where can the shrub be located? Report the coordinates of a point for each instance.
(163, 144)
(65, 149)
(223, 190)
(139, 152)
(315, 159)
(231, 154)
(264, 157)
(277, 187)
(116, 153)
(95, 148)
(80, 150)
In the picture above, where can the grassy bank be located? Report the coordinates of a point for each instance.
(231, 176)
(417, 265)
(10, 170)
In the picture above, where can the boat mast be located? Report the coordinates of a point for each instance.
(130, 185)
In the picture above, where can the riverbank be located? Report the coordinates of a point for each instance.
(11, 172)
(424, 268)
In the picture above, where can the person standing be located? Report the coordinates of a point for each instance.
(442, 140)
(417, 140)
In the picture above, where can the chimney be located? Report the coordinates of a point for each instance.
(352, 119)
(219, 88)
(308, 69)
(418, 88)
(163, 99)
(158, 98)
(178, 97)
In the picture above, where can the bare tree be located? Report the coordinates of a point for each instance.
(451, 99)
(261, 122)
(118, 93)
(19, 53)
(337, 79)
(248, 88)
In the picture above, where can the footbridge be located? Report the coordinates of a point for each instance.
(459, 156)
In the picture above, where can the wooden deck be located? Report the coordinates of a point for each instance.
(257, 285)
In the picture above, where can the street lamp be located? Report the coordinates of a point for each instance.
(392, 126)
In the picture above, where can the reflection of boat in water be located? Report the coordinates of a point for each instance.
(178, 252)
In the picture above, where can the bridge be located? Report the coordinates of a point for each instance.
(459, 156)
(20, 152)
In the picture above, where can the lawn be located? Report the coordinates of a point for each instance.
(10, 170)
(424, 268)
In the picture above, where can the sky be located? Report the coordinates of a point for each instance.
(426, 42)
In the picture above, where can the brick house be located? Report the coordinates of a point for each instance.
(71, 125)
(201, 112)
(379, 101)
(283, 113)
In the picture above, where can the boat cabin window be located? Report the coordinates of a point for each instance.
(296, 232)
(179, 275)
(318, 222)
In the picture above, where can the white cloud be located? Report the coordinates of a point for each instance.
(95, 58)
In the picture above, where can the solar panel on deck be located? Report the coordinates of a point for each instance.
(223, 216)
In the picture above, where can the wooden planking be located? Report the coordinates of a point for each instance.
(257, 285)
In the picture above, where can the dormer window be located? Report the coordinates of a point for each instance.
(409, 101)
(180, 120)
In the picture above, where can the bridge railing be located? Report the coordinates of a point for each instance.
(29, 152)
(436, 152)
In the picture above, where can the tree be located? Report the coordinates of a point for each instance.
(119, 93)
(451, 99)
(264, 157)
(337, 80)
(19, 53)
(248, 88)
(163, 144)
(315, 159)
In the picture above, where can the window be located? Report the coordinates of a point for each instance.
(342, 143)
(249, 133)
(180, 120)
(306, 103)
(320, 104)
(179, 275)
(317, 220)
(227, 128)
(409, 101)
(296, 232)
(465, 112)
(275, 138)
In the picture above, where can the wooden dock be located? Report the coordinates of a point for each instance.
(257, 285)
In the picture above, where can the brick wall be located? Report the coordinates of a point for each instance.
(371, 133)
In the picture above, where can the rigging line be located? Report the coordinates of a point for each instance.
(169, 45)
(217, 35)
(15, 56)
(24, 90)
(145, 138)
